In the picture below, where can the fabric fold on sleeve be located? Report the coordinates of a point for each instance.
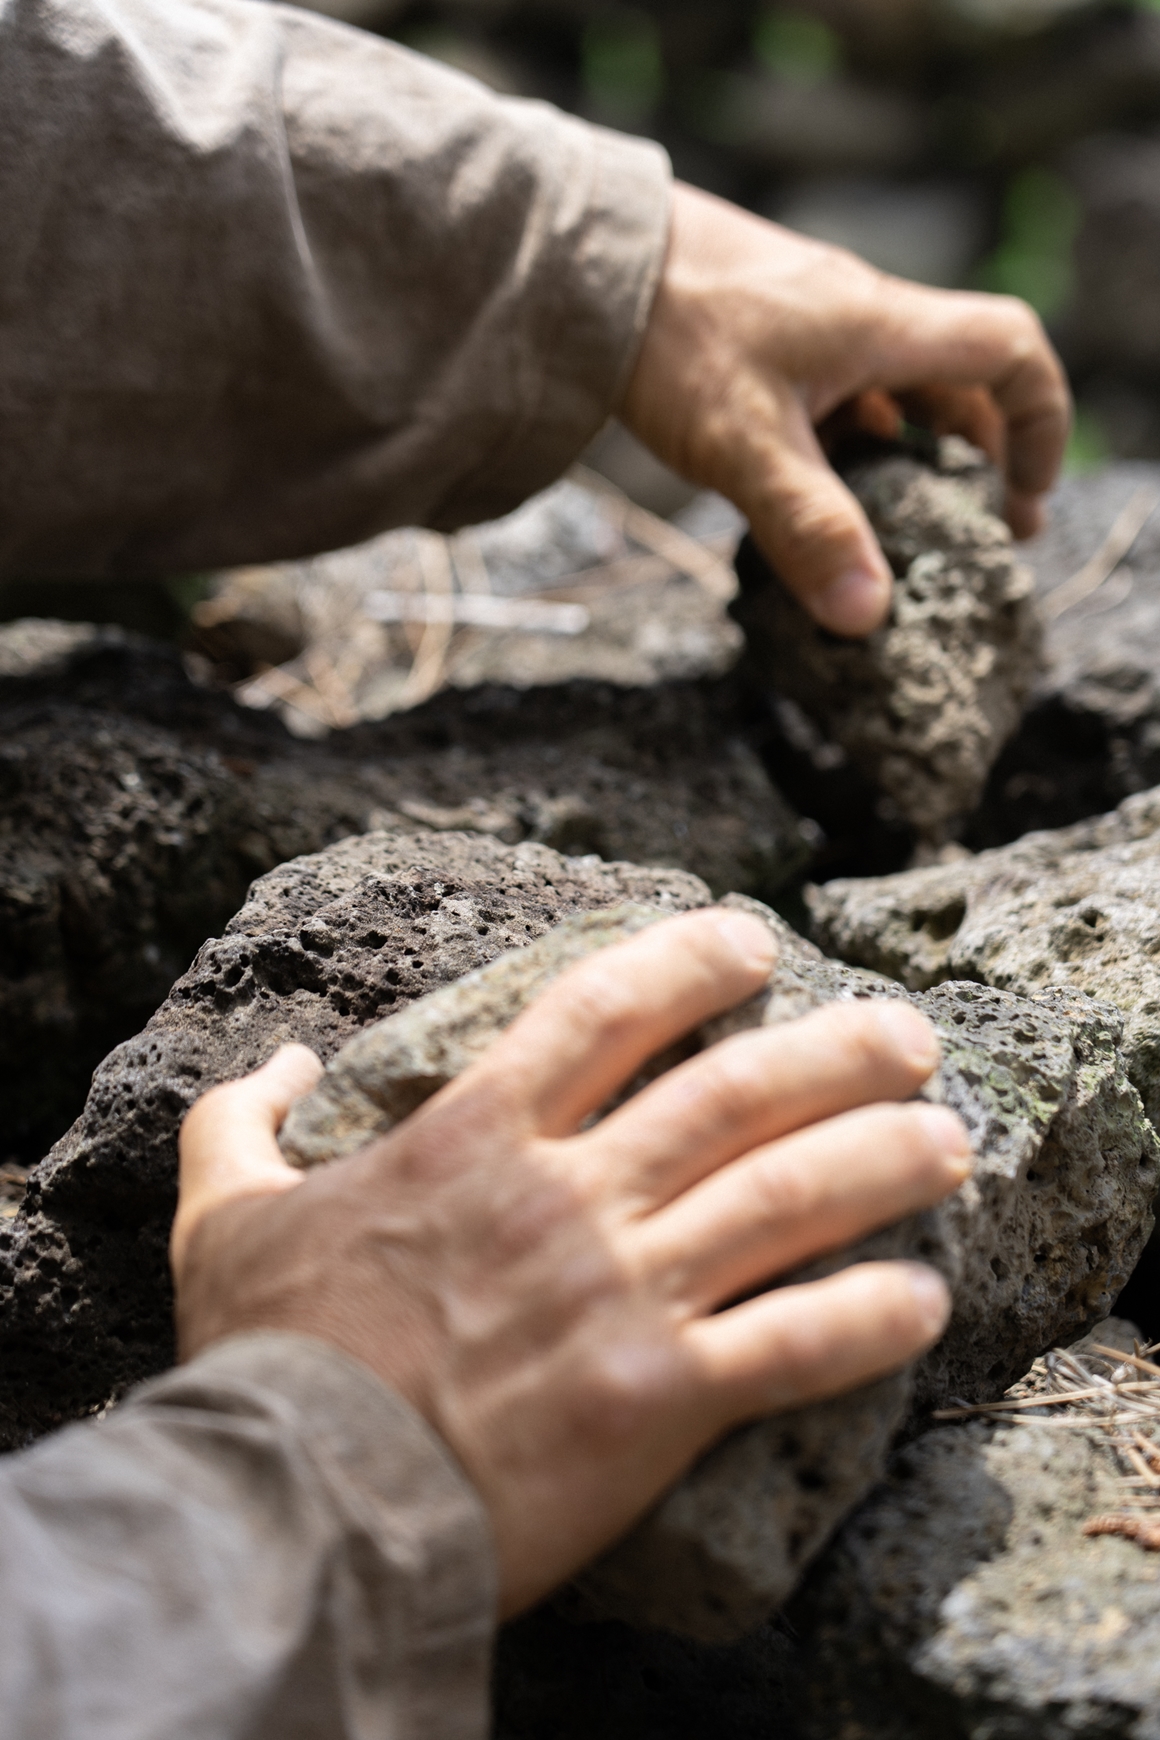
(271, 285)
(266, 1544)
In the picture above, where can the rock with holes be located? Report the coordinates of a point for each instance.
(1078, 908)
(1091, 733)
(923, 706)
(964, 1599)
(1036, 1246)
(323, 945)
(136, 807)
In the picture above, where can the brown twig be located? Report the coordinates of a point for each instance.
(1125, 529)
(1140, 1529)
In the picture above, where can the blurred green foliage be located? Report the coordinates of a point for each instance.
(1040, 219)
(1088, 446)
(622, 67)
(797, 46)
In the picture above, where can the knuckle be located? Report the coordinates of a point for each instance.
(857, 1037)
(734, 1076)
(783, 1192)
(599, 999)
(626, 1382)
(820, 519)
(909, 1136)
(803, 1350)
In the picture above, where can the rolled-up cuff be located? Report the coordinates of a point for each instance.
(584, 308)
(391, 1479)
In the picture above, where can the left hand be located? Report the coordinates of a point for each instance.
(560, 1303)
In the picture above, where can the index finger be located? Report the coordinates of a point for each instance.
(966, 338)
(600, 1021)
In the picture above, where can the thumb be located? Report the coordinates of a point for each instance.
(228, 1144)
(814, 533)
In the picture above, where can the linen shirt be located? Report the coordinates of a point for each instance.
(269, 285)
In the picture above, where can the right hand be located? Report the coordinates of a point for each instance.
(758, 336)
(553, 1299)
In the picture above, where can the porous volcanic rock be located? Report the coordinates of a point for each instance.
(924, 705)
(1091, 733)
(1036, 1245)
(322, 946)
(385, 1072)
(1078, 907)
(136, 807)
(612, 1680)
(964, 1601)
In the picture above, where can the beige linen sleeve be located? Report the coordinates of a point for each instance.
(269, 285)
(265, 1544)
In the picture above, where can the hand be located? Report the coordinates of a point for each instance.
(758, 335)
(548, 1297)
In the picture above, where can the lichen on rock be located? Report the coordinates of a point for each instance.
(1078, 907)
(1035, 1246)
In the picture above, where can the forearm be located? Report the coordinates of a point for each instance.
(270, 285)
(266, 1543)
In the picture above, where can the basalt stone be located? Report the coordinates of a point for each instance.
(1091, 733)
(964, 1601)
(385, 1072)
(1036, 1245)
(135, 808)
(122, 847)
(323, 945)
(923, 706)
(1079, 907)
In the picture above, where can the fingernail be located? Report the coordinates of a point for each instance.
(931, 1295)
(853, 604)
(947, 1134)
(909, 1034)
(752, 941)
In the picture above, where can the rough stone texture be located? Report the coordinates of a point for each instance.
(963, 1599)
(135, 808)
(1079, 907)
(1036, 1245)
(613, 1681)
(322, 946)
(923, 706)
(386, 1071)
(1091, 735)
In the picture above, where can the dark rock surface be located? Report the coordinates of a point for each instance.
(924, 706)
(136, 807)
(964, 1601)
(322, 946)
(1091, 735)
(612, 1681)
(1036, 1245)
(1079, 907)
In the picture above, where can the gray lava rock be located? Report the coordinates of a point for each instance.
(135, 808)
(925, 705)
(963, 1599)
(1079, 908)
(322, 946)
(385, 1072)
(1036, 1245)
(1091, 735)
